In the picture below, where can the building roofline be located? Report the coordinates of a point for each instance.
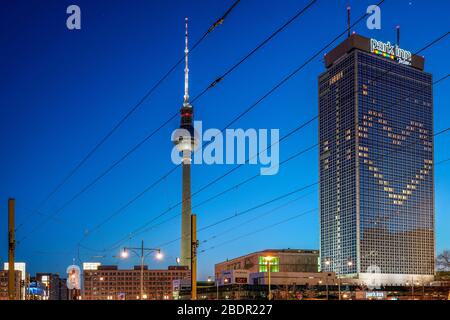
(288, 250)
(358, 42)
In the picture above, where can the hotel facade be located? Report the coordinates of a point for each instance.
(376, 164)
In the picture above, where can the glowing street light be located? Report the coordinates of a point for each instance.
(124, 254)
(159, 255)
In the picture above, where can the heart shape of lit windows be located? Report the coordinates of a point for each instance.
(373, 117)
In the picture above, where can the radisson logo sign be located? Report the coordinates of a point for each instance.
(389, 51)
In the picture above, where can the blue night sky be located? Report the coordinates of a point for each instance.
(62, 91)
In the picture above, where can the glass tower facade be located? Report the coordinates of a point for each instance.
(376, 166)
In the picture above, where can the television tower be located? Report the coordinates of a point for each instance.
(186, 142)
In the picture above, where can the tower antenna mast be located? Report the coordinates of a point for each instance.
(186, 68)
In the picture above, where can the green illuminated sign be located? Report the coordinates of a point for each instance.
(274, 264)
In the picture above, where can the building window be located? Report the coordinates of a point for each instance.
(274, 264)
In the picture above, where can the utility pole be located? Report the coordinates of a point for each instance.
(11, 251)
(142, 252)
(268, 269)
(142, 270)
(194, 246)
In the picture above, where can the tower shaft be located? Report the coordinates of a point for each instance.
(186, 143)
(186, 208)
(11, 251)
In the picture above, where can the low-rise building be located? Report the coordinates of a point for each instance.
(4, 284)
(234, 277)
(282, 260)
(55, 288)
(22, 267)
(111, 283)
(182, 289)
(293, 278)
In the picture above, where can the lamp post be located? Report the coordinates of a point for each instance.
(225, 282)
(327, 263)
(349, 264)
(268, 259)
(142, 253)
(217, 286)
(217, 289)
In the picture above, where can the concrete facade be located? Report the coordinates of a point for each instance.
(110, 283)
(288, 260)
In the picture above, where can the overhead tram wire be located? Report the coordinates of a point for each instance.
(387, 71)
(213, 84)
(248, 211)
(147, 228)
(269, 212)
(436, 82)
(198, 191)
(383, 155)
(304, 213)
(292, 74)
(131, 111)
(443, 161)
(290, 158)
(144, 228)
(273, 200)
(429, 45)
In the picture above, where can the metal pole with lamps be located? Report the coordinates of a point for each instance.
(217, 286)
(142, 253)
(349, 264)
(327, 263)
(268, 259)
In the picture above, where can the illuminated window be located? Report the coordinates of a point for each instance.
(274, 264)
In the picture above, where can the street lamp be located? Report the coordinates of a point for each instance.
(268, 259)
(142, 253)
(349, 264)
(159, 255)
(217, 286)
(328, 263)
(124, 254)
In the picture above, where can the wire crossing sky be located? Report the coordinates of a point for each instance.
(63, 90)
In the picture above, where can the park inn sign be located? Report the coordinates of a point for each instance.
(393, 52)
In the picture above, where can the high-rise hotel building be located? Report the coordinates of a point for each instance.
(376, 164)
